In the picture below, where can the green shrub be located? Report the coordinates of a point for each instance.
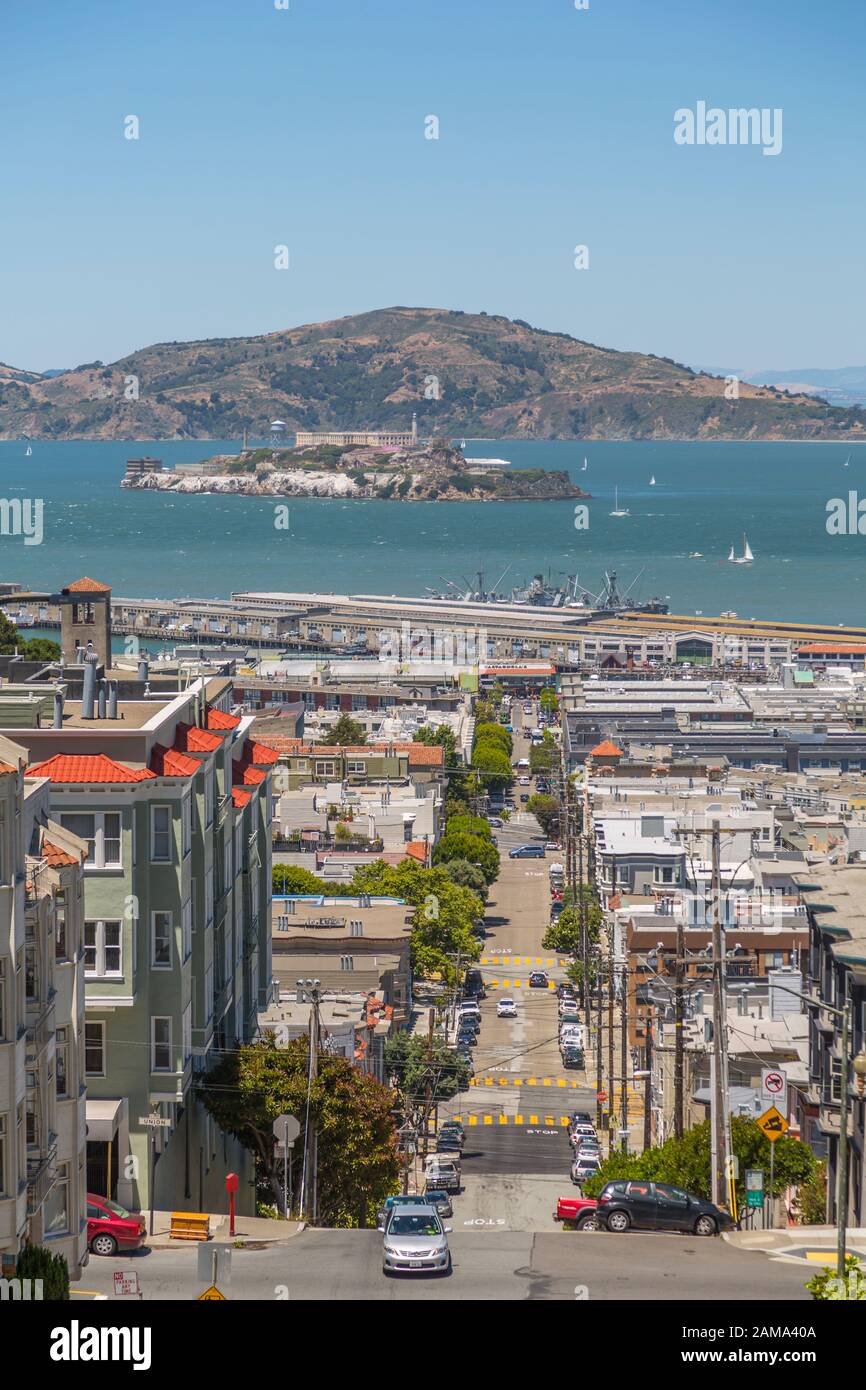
(826, 1287)
(35, 1262)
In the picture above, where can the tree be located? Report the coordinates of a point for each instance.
(413, 1067)
(346, 732)
(492, 762)
(358, 1160)
(563, 933)
(496, 734)
(546, 811)
(469, 825)
(686, 1162)
(443, 917)
(475, 848)
(291, 878)
(467, 875)
(442, 735)
(549, 700)
(34, 648)
(543, 756)
(812, 1197)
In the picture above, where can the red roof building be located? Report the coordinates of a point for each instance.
(95, 767)
(218, 719)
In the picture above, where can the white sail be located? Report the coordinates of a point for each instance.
(583, 469)
(747, 551)
(652, 481)
(732, 557)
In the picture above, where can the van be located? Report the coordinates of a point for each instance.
(523, 765)
(442, 1173)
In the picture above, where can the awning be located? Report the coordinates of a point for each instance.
(102, 1118)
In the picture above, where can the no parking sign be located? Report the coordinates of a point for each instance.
(774, 1088)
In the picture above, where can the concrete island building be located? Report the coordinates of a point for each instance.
(364, 439)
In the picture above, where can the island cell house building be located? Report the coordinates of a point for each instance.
(171, 796)
(42, 991)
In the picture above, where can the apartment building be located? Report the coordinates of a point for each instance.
(171, 795)
(42, 1000)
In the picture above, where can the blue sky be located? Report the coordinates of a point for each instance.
(305, 127)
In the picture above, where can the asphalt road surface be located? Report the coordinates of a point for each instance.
(490, 1263)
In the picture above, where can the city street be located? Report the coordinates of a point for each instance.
(490, 1263)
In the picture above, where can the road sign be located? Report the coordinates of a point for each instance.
(214, 1265)
(754, 1187)
(154, 1122)
(126, 1285)
(286, 1129)
(212, 1295)
(774, 1088)
(773, 1124)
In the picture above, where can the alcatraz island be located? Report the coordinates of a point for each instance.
(387, 467)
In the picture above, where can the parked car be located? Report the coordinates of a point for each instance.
(523, 781)
(565, 991)
(579, 1117)
(110, 1227)
(496, 821)
(587, 1147)
(524, 797)
(584, 1167)
(573, 1058)
(441, 1203)
(506, 1008)
(658, 1206)
(577, 1213)
(415, 1242)
(556, 907)
(466, 1039)
(538, 980)
(526, 852)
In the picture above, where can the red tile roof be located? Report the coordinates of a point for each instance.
(606, 749)
(832, 649)
(244, 774)
(5, 768)
(170, 762)
(88, 586)
(420, 754)
(188, 738)
(417, 849)
(95, 767)
(260, 753)
(218, 719)
(240, 797)
(55, 856)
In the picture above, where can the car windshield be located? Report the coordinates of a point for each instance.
(407, 1224)
(116, 1209)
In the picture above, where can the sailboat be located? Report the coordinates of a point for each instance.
(583, 466)
(28, 451)
(463, 444)
(746, 556)
(847, 461)
(617, 509)
(653, 480)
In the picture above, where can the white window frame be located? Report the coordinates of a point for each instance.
(94, 1023)
(101, 947)
(154, 963)
(186, 1034)
(186, 825)
(186, 930)
(154, 1019)
(58, 1195)
(62, 1052)
(154, 857)
(97, 841)
(357, 765)
(325, 767)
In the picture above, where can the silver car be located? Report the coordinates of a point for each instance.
(415, 1242)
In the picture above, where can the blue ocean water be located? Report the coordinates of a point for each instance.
(706, 497)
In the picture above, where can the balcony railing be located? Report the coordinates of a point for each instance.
(41, 1030)
(222, 810)
(251, 934)
(41, 1174)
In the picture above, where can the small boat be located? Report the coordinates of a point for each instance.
(652, 481)
(617, 509)
(696, 555)
(583, 466)
(746, 556)
(463, 444)
(847, 461)
(28, 451)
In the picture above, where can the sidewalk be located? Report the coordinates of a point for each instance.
(249, 1230)
(812, 1243)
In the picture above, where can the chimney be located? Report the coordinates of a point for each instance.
(89, 692)
(142, 669)
(112, 699)
(101, 699)
(58, 709)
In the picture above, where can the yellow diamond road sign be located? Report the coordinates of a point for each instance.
(212, 1295)
(773, 1124)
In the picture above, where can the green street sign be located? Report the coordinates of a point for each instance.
(754, 1182)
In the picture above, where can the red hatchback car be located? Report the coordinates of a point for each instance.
(110, 1227)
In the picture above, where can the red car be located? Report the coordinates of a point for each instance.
(577, 1213)
(110, 1227)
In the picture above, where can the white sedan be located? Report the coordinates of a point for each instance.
(506, 1008)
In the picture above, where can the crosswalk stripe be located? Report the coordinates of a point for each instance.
(474, 1118)
(523, 960)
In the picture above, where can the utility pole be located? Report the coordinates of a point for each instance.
(842, 1198)
(309, 1196)
(599, 1057)
(720, 1167)
(623, 1023)
(610, 1080)
(648, 1080)
(427, 1084)
(679, 1039)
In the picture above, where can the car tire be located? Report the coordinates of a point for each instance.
(705, 1226)
(449, 1269)
(104, 1244)
(386, 1272)
(618, 1221)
